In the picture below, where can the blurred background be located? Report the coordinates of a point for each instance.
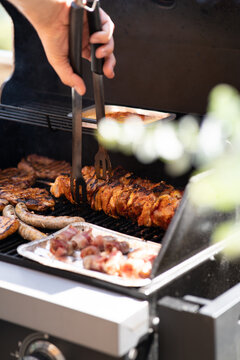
(6, 45)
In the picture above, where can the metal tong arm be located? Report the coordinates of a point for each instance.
(88, 8)
(102, 160)
(94, 24)
(75, 55)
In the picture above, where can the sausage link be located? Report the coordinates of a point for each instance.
(29, 233)
(9, 212)
(45, 222)
(26, 231)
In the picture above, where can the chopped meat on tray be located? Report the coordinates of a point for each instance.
(104, 253)
(90, 250)
(61, 244)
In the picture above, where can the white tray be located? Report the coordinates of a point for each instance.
(39, 251)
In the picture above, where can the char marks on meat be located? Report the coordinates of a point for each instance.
(147, 203)
(15, 187)
(3, 203)
(33, 198)
(44, 167)
(7, 226)
(16, 177)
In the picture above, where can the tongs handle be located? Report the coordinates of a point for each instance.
(95, 25)
(75, 38)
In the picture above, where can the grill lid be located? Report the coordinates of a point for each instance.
(189, 232)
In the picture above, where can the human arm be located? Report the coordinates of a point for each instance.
(50, 18)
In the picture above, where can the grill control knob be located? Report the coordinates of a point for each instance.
(43, 350)
(37, 347)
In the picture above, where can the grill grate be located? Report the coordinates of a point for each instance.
(55, 118)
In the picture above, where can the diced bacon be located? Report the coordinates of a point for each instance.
(90, 250)
(95, 262)
(136, 268)
(145, 271)
(113, 265)
(68, 233)
(105, 253)
(82, 239)
(98, 241)
(60, 247)
(144, 254)
(122, 246)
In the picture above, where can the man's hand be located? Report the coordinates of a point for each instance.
(51, 20)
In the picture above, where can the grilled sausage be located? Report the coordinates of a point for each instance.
(41, 221)
(26, 231)
(7, 226)
(3, 203)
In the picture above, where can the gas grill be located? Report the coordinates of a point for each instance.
(191, 308)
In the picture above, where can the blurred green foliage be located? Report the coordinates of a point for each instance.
(5, 30)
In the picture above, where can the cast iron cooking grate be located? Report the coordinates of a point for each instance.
(53, 117)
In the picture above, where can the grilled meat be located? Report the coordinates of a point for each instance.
(44, 167)
(18, 178)
(15, 187)
(3, 203)
(62, 186)
(33, 198)
(147, 203)
(7, 226)
(41, 221)
(26, 231)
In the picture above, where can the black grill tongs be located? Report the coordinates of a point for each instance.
(102, 161)
(75, 55)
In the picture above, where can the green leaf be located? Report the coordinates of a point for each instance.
(229, 231)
